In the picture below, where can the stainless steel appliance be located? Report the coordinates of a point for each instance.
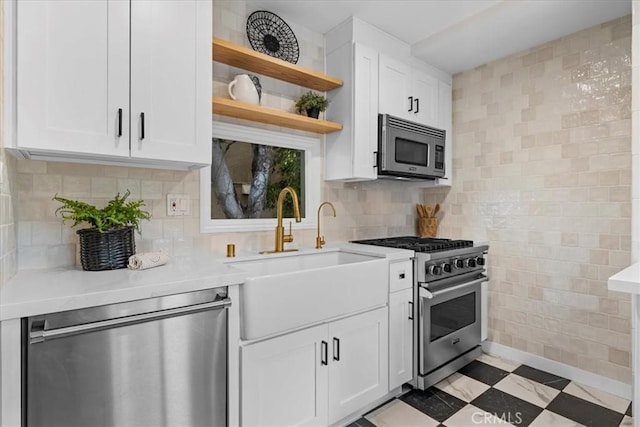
(409, 150)
(153, 362)
(448, 275)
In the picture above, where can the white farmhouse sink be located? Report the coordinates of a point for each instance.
(286, 291)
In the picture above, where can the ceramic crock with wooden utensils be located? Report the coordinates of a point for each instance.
(427, 222)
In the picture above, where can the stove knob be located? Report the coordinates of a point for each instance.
(446, 267)
(470, 262)
(435, 270)
(458, 263)
(479, 260)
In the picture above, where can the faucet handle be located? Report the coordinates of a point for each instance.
(320, 242)
(288, 238)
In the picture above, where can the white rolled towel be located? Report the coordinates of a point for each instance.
(145, 260)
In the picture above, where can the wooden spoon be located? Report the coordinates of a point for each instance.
(436, 210)
(419, 209)
(429, 211)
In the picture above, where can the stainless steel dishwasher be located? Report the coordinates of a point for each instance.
(153, 362)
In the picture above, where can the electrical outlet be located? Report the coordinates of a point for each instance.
(178, 205)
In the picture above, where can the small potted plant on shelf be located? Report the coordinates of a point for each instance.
(109, 242)
(313, 103)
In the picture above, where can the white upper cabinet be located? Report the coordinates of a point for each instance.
(73, 81)
(86, 72)
(395, 88)
(407, 92)
(170, 80)
(382, 78)
(350, 152)
(445, 122)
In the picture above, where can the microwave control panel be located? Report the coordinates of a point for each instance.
(439, 157)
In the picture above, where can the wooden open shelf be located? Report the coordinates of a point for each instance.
(242, 110)
(248, 59)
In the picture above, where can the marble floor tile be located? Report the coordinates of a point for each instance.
(504, 364)
(507, 407)
(526, 389)
(434, 402)
(584, 412)
(548, 418)
(484, 373)
(598, 397)
(463, 387)
(472, 416)
(399, 414)
(362, 422)
(627, 421)
(542, 377)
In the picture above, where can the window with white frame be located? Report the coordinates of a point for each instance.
(249, 168)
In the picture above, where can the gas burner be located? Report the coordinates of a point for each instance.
(418, 244)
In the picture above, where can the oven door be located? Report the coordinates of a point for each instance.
(450, 322)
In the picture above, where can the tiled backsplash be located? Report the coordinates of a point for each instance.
(543, 172)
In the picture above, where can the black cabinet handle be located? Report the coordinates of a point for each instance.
(119, 122)
(410, 310)
(324, 352)
(375, 159)
(141, 126)
(410, 103)
(417, 105)
(336, 349)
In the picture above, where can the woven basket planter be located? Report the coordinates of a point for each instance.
(106, 251)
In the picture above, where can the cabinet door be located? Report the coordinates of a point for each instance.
(283, 380)
(73, 76)
(444, 122)
(359, 362)
(365, 111)
(395, 95)
(171, 80)
(400, 338)
(424, 89)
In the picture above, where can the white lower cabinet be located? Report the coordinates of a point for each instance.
(316, 376)
(284, 380)
(400, 337)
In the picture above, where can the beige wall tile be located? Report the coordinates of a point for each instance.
(561, 139)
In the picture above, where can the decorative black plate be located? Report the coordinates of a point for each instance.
(269, 34)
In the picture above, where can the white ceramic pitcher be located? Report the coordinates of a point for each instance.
(246, 88)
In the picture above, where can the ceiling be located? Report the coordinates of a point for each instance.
(455, 35)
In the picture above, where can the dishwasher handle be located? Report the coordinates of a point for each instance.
(38, 334)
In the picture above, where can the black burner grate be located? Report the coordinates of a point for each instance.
(418, 244)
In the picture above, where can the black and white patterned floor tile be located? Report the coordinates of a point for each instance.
(492, 391)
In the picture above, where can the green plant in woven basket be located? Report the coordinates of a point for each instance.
(118, 213)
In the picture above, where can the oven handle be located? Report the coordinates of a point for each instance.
(426, 293)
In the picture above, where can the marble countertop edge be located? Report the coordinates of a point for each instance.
(627, 280)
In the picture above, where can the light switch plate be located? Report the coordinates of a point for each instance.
(178, 205)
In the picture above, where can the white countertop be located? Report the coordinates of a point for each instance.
(627, 280)
(34, 292)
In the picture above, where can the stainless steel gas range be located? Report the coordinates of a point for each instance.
(448, 278)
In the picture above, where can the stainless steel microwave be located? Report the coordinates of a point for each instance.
(409, 150)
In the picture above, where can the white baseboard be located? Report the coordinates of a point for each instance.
(569, 372)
